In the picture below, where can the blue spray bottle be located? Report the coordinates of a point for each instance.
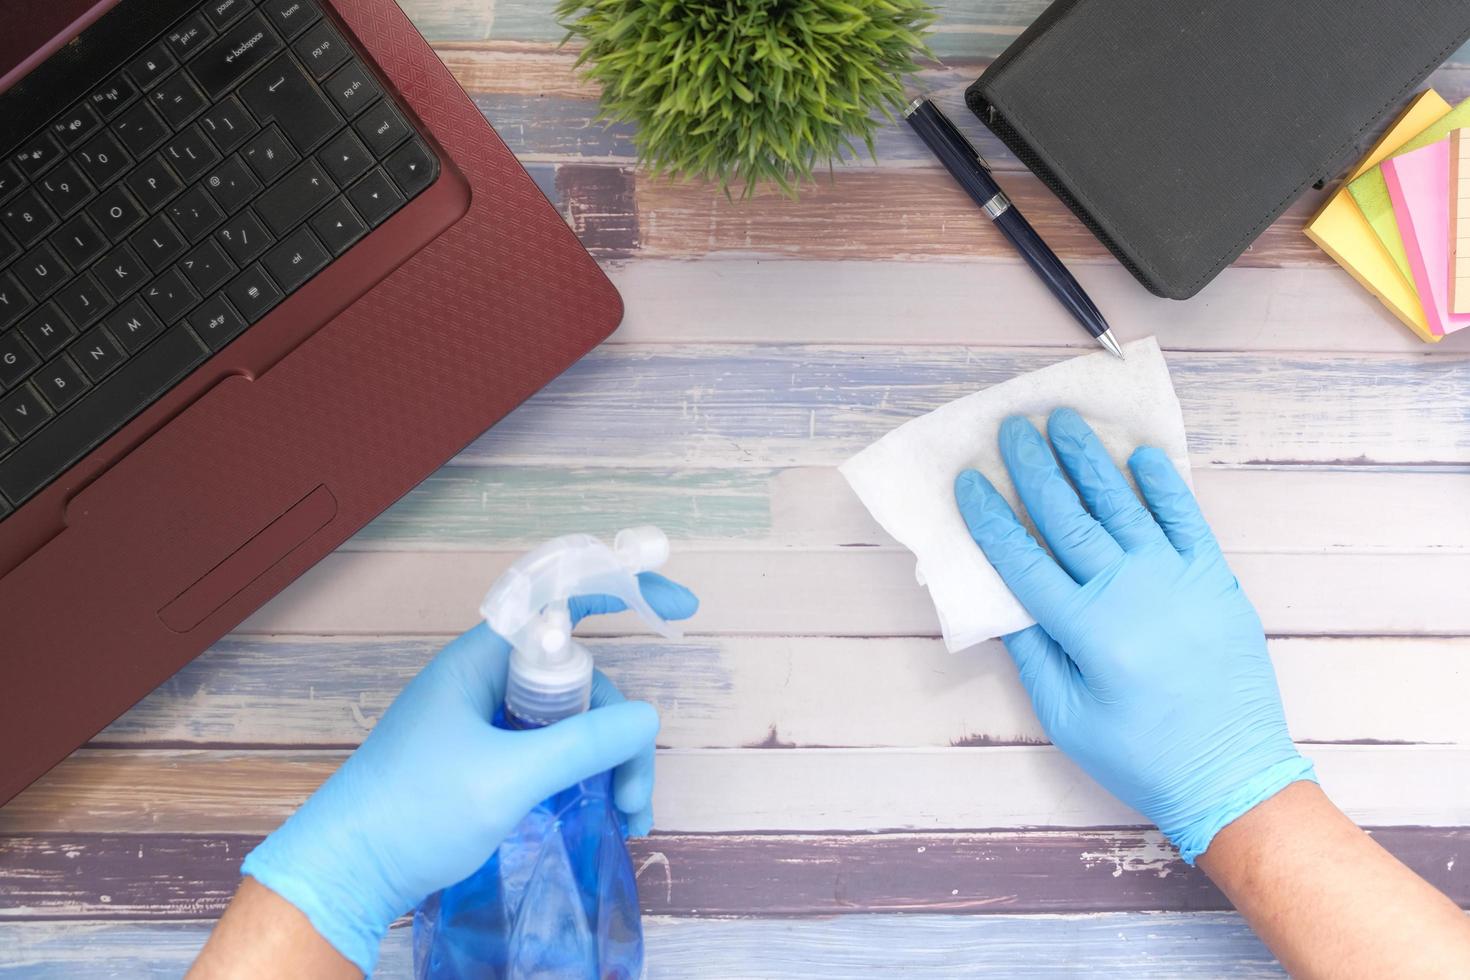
(558, 898)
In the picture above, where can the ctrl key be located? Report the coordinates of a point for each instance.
(216, 322)
(253, 293)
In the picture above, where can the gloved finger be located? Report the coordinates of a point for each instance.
(1046, 672)
(1079, 542)
(668, 598)
(584, 745)
(1028, 571)
(633, 780)
(1172, 503)
(475, 663)
(1103, 488)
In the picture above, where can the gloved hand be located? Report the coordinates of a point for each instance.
(434, 788)
(1148, 665)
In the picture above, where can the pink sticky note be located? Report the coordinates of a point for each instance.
(1419, 184)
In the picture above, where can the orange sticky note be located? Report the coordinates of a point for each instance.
(1343, 233)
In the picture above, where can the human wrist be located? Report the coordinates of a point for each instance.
(1193, 833)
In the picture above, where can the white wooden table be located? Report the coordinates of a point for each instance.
(837, 797)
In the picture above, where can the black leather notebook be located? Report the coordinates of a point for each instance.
(1178, 130)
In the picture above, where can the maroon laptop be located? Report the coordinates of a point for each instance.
(263, 267)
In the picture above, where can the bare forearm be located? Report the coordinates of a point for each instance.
(1328, 900)
(263, 935)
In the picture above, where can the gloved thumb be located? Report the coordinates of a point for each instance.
(584, 745)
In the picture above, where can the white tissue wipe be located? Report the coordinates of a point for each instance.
(906, 479)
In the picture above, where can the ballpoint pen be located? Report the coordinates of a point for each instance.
(966, 166)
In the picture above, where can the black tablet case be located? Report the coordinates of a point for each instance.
(1178, 130)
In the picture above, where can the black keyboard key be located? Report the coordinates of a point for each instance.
(157, 242)
(133, 324)
(352, 89)
(194, 213)
(140, 129)
(97, 353)
(228, 124)
(10, 179)
(75, 125)
(8, 249)
(128, 391)
(234, 54)
(115, 212)
(253, 293)
(411, 167)
(375, 198)
(42, 272)
(82, 300)
(381, 128)
(170, 296)
(154, 183)
(14, 300)
(345, 158)
(65, 189)
(338, 226)
(243, 237)
(280, 93)
(216, 322)
(7, 443)
(26, 217)
(189, 36)
(221, 12)
(103, 158)
(190, 154)
(112, 97)
(23, 411)
(291, 17)
(232, 185)
(295, 260)
(148, 69)
(79, 241)
(321, 49)
(269, 155)
(60, 383)
(206, 267)
(121, 272)
(177, 100)
(36, 154)
(16, 360)
(284, 205)
(46, 329)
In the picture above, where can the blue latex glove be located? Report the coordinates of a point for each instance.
(435, 788)
(1148, 665)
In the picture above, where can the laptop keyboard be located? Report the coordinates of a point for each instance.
(155, 219)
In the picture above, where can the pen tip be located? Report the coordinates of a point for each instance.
(1106, 339)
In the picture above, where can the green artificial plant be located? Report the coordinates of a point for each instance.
(745, 91)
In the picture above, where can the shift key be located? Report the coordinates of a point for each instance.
(237, 51)
(293, 198)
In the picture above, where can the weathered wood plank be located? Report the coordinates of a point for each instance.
(724, 790)
(728, 692)
(917, 947)
(163, 876)
(794, 405)
(994, 303)
(476, 505)
(851, 592)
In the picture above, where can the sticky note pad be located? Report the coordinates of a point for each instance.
(1371, 192)
(1341, 231)
(1419, 187)
(1460, 221)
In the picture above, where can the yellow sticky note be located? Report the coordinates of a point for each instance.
(1343, 233)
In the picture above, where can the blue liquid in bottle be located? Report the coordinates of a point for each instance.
(557, 901)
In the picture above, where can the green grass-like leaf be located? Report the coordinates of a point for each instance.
(742, 92)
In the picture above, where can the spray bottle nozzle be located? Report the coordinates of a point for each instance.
(550, 672)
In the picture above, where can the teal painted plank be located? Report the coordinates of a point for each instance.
(917, 947)
(798, 405)
(490, 504)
